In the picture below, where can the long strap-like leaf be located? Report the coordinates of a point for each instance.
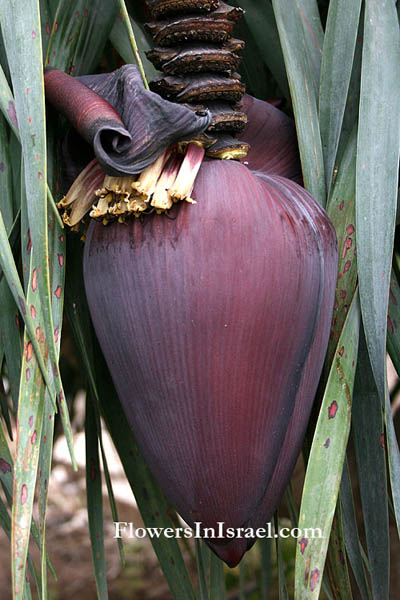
(377, 184)
(377, 174)
(11, 274)
(302, 89)
(326, 457)
(337, 61)
(369, 445)
(354, 549)
(22, 35)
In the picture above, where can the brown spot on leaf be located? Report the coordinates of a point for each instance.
(33, 312)
(307, 571)
(34, 280)
(332, 410)
(34, 437)
(29, 351)
(341, 351)
(12, 113)
(314, 579)
(5, 467)
(327, 443)
(350, 229)
(22, 305)
(346, 247)
(60, 259)
(24, 494)
(27, 374)
(29, 244)
(57, 292)
(303, 543)
(347, 266)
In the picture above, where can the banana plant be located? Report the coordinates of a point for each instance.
(206, 192)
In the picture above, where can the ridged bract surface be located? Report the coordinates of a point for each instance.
(206, 323)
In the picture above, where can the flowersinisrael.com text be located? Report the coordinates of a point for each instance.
(128, 529)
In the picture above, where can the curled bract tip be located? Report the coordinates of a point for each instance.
(127, 125)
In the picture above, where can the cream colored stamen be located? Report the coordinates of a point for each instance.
(183, 185)
(162, 199)
(146, 184)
